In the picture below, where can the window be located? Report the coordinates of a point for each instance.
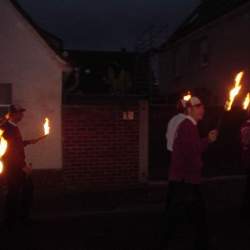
(5, 97)
(198, 54)
(204, 53)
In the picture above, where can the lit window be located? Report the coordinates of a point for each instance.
(5, 97)
(87, 71)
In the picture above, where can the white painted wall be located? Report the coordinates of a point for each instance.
(36, 76)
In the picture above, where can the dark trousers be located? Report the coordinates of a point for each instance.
(19, 198)
(246, 201)
(185, 205)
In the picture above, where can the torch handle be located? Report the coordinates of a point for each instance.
(219, 123)
(220, 120)
(39, 139)
(42, 137)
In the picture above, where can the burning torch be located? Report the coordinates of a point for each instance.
(46, 127)
(3, 149)
(187, 97)
(232, 95)
(234, 91)
(245, 104)
(46, 131)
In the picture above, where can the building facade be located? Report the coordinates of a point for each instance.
(31, 75)
(95, 141)
(207, 51)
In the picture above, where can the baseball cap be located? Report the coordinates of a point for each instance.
(194, 101)
(16, 109)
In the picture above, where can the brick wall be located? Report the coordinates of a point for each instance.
(100, 148)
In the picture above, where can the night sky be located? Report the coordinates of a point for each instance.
(105, 24)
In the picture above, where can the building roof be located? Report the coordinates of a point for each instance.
(207, 11)
(82, 58)
(52, 41)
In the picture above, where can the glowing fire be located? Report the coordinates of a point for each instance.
(234, 91)
(1, 167)
(46, 126)
(187, 97)
(246, 102)
(3, 148)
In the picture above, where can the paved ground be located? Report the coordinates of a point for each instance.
(131, 221)
(131, 231)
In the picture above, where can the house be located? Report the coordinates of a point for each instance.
(31, 73)
(207, 50)
(95, 141)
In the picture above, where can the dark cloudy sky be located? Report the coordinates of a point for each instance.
(105, 24)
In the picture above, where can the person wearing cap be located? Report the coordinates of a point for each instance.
(184, 199)
(19, 183)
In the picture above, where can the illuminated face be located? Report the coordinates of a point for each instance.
(197, 112)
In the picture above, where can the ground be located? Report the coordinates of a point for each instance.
(123, 230)
(132, 222)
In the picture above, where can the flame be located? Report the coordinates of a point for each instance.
(1, 167)
(246, 102)
(234, 91)
(3, 148)
(46, 126)
(187, 97)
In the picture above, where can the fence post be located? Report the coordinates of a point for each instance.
(143, 140)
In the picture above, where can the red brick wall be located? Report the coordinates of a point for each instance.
(100, 149)
(47, 180)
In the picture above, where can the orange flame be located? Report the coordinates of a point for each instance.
(3, 148)
(187, 97)
(246, 102)
(234, 91)
(46, 126)
(1, 167)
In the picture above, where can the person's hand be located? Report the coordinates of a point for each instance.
(42, 137)
(27, 169)
(213, 135)
(34, 141)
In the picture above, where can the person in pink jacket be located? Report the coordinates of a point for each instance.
(184, 199)
(174, 123)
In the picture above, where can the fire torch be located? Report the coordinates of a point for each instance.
(3, 149)
(232, 95)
